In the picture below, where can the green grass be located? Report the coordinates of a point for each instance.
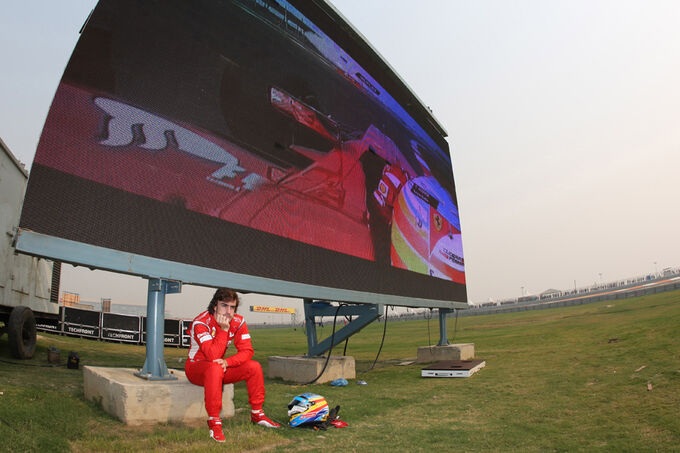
(561, 379)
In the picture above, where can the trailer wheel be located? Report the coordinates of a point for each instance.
(21, 332)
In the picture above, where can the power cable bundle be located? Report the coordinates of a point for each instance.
(328, 357)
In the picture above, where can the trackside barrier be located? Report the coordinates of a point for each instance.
(81, 323)
(112, 327)
(123, 328)
(131, 329)
(171, 332)
(51, 324)
(185, 325)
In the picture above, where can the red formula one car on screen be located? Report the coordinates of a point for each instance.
(358, 196)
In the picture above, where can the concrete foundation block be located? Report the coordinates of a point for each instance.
(301, 369)
(461, 351)
(137, 401)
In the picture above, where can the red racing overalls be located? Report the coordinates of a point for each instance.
(209, 342)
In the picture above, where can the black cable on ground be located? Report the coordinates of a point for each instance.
(455, 325)
(42, 365)
(381, 342)
(8, 425)
(344, 351)
(429, 338)
(328, 358)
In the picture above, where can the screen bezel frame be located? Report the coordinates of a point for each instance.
(95, 257)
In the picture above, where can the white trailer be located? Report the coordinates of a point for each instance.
(26, 282)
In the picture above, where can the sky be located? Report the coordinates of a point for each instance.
(562, 119)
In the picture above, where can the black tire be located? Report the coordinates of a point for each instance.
(21, 332)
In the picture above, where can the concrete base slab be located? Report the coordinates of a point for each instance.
(301, 369)
(137, 401)
(460, 351)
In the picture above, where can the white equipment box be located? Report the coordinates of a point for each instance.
(453, 368)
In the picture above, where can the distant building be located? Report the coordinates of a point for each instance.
(69, 299)
(73, 300)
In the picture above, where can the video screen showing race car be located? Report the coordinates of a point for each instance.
(239, 136)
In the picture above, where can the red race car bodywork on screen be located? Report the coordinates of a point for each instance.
(324, 204)
(122, 146)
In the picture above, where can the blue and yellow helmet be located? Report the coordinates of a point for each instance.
(307, 408)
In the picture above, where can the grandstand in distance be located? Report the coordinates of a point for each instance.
(667, 274)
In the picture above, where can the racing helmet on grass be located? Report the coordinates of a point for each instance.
(307, 408)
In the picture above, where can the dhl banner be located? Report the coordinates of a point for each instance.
(266, 309)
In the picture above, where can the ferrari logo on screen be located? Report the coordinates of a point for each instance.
(437, 221)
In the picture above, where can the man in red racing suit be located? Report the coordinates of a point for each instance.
(211, 334)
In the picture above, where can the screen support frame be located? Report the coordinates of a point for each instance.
(155, 368)
(443, 340)
(96, 257)
(366, 314)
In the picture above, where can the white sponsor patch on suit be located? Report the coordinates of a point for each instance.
(245, 336)
(204, 337)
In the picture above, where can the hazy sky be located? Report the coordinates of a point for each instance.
(562, 120)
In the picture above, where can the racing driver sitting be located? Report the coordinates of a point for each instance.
(211, 334)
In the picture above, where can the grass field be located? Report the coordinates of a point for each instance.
(596, 377)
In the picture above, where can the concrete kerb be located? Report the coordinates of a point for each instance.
(460, 351)
(137, 401)
(301, 369)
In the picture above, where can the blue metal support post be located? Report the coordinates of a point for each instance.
(155, 368)
(443, 340)
(310, 326)
(365, 315)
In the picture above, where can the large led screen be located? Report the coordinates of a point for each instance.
(249, 136)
